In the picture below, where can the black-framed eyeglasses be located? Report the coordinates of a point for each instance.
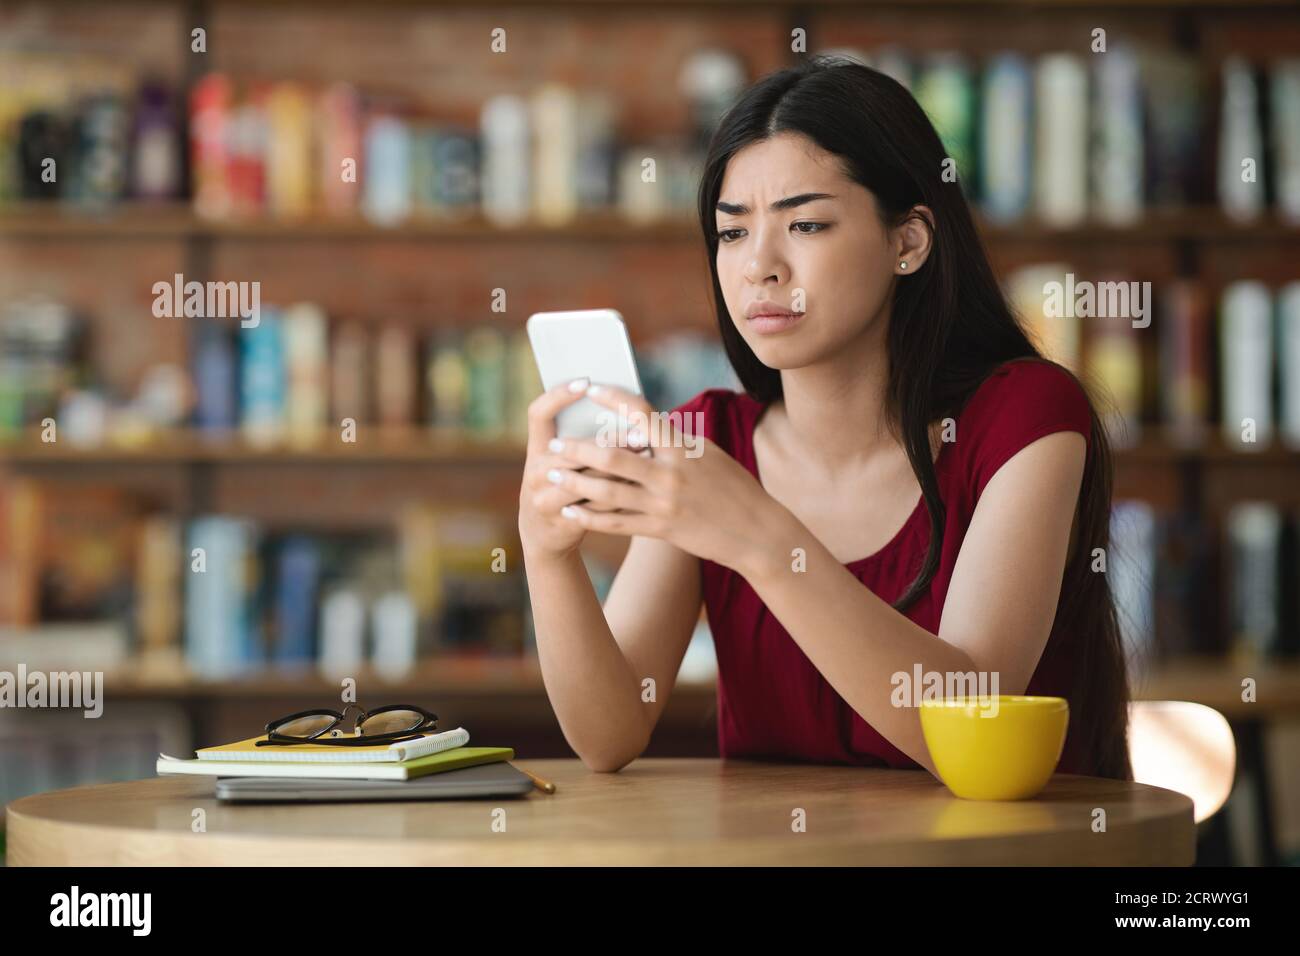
(383, 725)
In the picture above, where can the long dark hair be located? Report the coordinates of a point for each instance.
(950, 327)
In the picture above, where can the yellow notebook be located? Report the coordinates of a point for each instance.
(323, 753)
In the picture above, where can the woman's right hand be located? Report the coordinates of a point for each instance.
(542, 529)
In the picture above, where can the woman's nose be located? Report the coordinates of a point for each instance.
(764, 264)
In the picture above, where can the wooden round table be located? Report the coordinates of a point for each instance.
(654, 811)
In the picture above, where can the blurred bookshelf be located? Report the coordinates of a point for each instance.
(176, 221)
(89, 522)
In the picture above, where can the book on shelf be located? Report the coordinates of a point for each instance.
(945, 89)
(1246, 354)
(1288, 352)
(297, 582)
(1114, 368)
(1185, 362)
(1117, 153)
(215, 369)
(220, 639)
(1254, 543)
(262, 380)
(1241, 143)
(306, 371)
(1004, 165)
(386, 194)
(1061, 144)
(159, 566)
(1131, 568)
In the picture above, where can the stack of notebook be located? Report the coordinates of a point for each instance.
(433, 753)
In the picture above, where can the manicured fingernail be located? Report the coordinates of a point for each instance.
(556, 445)
(579, 385)
(569, 511)
(595, 390)
(555, 475)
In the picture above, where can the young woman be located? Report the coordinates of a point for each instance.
(905, 483)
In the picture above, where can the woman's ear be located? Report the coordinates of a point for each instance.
(912, 240)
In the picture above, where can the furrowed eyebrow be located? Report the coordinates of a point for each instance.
(789, 202)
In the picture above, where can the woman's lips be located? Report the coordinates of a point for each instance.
(776, 322)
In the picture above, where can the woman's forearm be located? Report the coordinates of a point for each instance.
(590, 684)
(854, 639)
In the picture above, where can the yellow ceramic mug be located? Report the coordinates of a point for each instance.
(998, 747)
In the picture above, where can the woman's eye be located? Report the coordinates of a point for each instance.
(803, 228)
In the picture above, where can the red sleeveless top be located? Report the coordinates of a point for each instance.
(772, 702)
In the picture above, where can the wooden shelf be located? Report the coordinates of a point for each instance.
(1156, 447)
(176, 221)
(374, 445)
(35, 220)
(1204, 225)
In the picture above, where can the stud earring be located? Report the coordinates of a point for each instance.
(903, 264)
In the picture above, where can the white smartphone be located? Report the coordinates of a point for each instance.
(588, 343)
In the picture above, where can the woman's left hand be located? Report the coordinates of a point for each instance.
(688, 491)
